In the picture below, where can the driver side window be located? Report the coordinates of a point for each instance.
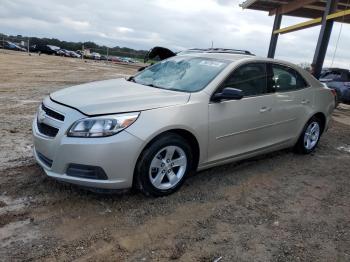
(250, 78)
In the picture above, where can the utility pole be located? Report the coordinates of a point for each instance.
(107, 54)
(82, 52)
(28, 46)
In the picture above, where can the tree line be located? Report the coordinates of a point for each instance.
(102, 49)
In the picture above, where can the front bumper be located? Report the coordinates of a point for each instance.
(115, 155)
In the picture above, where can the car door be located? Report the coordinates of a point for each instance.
(294, 100)
(238, 127)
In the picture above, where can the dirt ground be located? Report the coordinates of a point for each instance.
(277, 207)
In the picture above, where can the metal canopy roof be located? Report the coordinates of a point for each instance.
(321, 12)
(297, 8)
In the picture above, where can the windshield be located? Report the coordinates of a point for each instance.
(181, 73)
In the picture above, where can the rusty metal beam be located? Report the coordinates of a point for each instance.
(315, 7)
(292, 6)
(339, 3)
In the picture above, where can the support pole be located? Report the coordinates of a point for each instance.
(274, 37)
(323, 38)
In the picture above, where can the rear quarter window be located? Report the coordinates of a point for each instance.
(285, 79)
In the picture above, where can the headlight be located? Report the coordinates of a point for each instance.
(102, 126)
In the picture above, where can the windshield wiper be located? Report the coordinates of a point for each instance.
(160, 87)
(131, 79)
(152, 85)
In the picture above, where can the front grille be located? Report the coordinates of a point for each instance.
(52, 113)
(47, 130)
(44, 159)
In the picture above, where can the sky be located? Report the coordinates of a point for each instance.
(178, 25)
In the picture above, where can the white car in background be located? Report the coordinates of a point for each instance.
(95, 56)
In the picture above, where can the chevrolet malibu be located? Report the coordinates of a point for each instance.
(187, 113)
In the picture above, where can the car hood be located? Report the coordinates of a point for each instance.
(117, 96)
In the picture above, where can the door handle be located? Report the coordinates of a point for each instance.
(265, 109)
(305, 101)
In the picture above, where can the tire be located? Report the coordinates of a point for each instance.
(310, 136)
(157, 174)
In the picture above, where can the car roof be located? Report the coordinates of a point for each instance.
(218, 50)
(239, 57)
(224, 56)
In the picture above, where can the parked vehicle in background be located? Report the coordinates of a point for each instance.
(186, 113)
(104, 57)
(339, 80)
(127, 60)
(95, 56)
(74, 54)
(132, 61)
(63, 52)
(115, 59)
(12, 46)
(123, 59)
(45, 49)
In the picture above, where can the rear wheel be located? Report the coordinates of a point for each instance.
(310, 136)
(163, 166)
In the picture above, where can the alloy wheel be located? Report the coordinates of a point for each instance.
(168, 167)
(311, 136)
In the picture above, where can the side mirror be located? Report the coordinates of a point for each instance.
(228, 93)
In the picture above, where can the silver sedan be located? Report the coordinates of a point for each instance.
(187, 113)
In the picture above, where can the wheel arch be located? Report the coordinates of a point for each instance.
(319, 115)
(185, 134)
(322, 117)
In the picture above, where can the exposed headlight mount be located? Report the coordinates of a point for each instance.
(102, 126)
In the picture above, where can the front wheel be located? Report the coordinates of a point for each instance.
(310, 136)
(163, 166)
